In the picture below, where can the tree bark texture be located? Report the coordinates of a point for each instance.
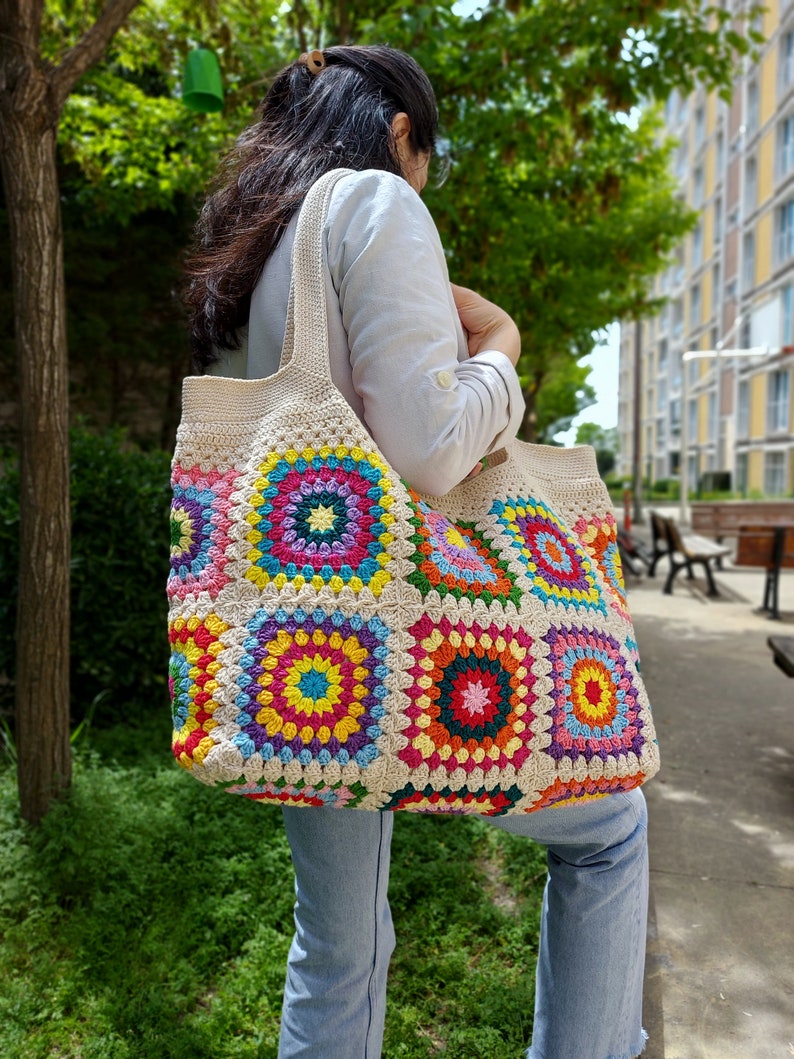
(28, 133)
(32, 94)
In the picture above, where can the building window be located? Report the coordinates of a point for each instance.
(692, 372)
(678, 268)
(750, 185)
(787, 298)
(712, 417)
(661, 395)
(678, 317)
(675, 382)
(717, 220)
(681, 160)
(700, 126)
(662, 369)
(784, 233)
(692, 468)
(751, 124)
(777, 401)
(775, 473)
(720, 154)
(743, 410)
(694, 306)
(748, 260)
(746, 332)
(787, 60)
(697, 187)
(697, 247)
(692, 420)
(741, 472)
(784, 159)
(675, 416)
(715, 289)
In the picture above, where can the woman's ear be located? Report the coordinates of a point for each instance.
(401, 130)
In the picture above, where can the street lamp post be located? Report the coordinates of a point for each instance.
(703, 354)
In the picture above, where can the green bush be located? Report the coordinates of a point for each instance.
(120, 501)
(149, 917)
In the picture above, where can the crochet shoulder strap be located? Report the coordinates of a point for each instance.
(306, 333)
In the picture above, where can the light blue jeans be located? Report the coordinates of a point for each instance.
(588, 999)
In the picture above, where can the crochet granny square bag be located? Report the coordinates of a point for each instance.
(338, 640)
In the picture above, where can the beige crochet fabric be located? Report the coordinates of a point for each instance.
(339, 640)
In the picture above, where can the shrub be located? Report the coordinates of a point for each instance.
(120, 500)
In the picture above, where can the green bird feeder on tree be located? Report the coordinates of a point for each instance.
(202, 89)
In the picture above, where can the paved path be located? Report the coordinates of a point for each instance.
(720, 970)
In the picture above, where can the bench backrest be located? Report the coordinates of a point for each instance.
(659, 531)
(665, 533)
(717, 518)
(756, 546)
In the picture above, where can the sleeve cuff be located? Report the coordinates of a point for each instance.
(516, 404)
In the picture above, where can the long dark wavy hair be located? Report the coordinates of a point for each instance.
(309, 124)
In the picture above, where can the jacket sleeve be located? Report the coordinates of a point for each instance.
(432, 415)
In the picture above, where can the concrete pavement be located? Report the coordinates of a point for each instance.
(720, 967)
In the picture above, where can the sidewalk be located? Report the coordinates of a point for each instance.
(720, 967)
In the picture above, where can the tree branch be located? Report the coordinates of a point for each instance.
(89, 49)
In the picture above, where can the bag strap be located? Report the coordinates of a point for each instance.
(306, 332)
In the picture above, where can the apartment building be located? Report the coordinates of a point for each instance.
(730, 290)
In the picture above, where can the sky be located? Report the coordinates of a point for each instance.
(604, 361)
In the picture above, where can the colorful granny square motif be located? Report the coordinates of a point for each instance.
(312, 687)
(471, 697)
(484, 802)
(634, 652)
(199, 530)
(596, 712)
(195, 646)
(557, 565)
(321, 517)
(560, 793)
(456, 558)
(337, 796)
(599, 537)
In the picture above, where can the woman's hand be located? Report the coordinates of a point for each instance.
(487, 326)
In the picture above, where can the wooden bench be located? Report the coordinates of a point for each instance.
(771, 547)
(724, 518)
(684, 552)
(634, 553)
(783, 653)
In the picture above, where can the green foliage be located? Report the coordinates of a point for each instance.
(559, 203)
(554, 401)
(149, 917)
(605, 441)
(128, 346)
(120, 501)
(666, 488)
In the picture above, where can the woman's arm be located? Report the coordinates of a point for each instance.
(432, 415)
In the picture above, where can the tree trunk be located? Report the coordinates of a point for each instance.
(32, 95)
(528, 431)
(28, 131)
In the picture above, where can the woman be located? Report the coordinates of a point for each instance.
(430, 370)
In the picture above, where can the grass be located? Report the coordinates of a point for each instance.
(150, 917)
